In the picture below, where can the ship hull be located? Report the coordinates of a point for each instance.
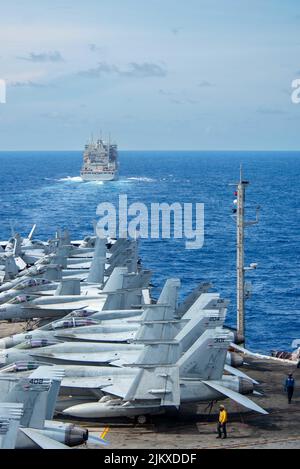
(99, 176)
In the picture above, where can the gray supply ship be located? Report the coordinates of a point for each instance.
(100, 161)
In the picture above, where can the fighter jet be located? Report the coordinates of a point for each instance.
(196, 377)
(157, 325)
(156, 321)
(37, 394)
(113, 316)
(120, 291)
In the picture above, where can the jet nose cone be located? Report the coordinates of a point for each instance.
(2, 343)
(3, 359)
(7, 342)
(88, 410)
(76, 411)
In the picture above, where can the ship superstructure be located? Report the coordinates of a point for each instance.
(100, 161)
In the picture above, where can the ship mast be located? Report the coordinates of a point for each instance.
(240, 250)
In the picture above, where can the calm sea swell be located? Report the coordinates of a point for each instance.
(45, 188)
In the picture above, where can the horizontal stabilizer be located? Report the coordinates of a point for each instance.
(236, 372)
(44, 442)
(50, 372)
(235, 396)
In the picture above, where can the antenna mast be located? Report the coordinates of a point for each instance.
(240, 260)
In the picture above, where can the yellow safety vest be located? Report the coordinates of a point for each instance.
(223, 416)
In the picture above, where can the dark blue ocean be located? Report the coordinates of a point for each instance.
(44, 188)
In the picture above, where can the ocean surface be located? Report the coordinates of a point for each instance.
(45, 188)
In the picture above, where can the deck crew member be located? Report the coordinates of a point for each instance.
(289, 387)
(222, 423)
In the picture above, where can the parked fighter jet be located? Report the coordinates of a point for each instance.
(160, 329)
(196, 377)
(113, 316)
(38, 395)
(120, 291)
(157, 321)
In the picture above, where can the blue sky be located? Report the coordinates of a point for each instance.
(156, 74)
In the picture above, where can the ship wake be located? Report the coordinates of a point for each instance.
(71, 179)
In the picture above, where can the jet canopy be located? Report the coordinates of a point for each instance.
(32, 283)
(35, 343)
(21, 299)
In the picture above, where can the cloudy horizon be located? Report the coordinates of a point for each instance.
(197, 75)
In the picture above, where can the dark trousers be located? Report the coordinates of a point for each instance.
(222, 428)
(290, 392)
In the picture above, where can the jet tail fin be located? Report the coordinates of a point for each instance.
(97, 268)
(10, 416)
(154, 355)
(140, 279)
(68, 286)
(123, 299)
(115, 280)
(11, 269)
(156, 331)
(53, 272)
(60, 260)
(32, 232)
(37, 393)
(169, 293)
(56, 375)
(206, 357)
(196, 326)
(192, 297)
(33, 394)
(100, 247)
(160, 384)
